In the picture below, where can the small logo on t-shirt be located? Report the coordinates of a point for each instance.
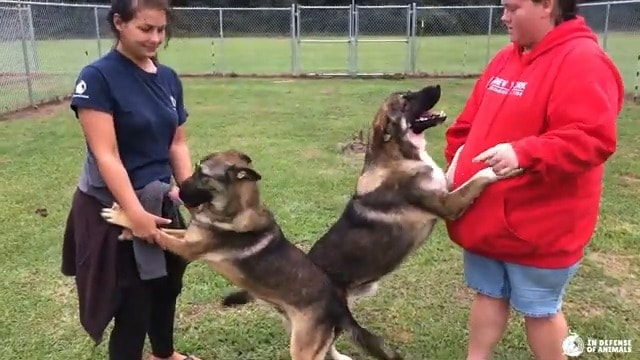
(173, 101)
(81, 87)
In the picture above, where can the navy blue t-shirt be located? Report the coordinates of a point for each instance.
(146, 108)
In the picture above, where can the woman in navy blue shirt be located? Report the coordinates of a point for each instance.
(132, 114)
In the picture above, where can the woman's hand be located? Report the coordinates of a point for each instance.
(502, 158)
(144, 225)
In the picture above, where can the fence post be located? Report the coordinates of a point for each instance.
(32, 38)
(637, 87)
(25, 55)
(414, 38)
(352, 51)
(222, 63)
(298, 40)
(605, 36)
(356, 36)
(407, 54)
(489, 32)
(95, 15)
(294, 50)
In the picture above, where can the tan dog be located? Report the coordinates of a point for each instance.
(238, 238)
(399, 196)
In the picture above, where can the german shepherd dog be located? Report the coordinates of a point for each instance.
(238, 238)
(399, 196)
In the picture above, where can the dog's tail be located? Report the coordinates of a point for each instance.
(237, 298)
(373, 344)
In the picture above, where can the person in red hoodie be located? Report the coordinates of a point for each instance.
(547, 104)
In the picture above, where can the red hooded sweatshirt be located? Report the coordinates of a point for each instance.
(557, 106)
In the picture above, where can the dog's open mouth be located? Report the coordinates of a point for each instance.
(426, 120)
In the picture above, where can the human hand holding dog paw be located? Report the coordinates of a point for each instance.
(144, 225)
(502, 159)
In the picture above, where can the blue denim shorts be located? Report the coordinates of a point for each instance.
(532, 291)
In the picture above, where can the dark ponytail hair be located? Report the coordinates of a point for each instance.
(127, 10)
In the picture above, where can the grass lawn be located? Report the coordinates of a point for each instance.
(454, 55)
(291, 129)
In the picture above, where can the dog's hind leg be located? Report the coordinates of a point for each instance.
(337, 355)
(237, 298)
(361, 291)
(310, 340)
(371, 343)
(286, 322)
(365, 290)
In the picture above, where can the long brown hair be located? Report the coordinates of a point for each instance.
(127, 10)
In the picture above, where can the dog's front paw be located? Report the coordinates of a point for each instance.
(511, 173)
(115, 215)
(487, 174)
(126, 234)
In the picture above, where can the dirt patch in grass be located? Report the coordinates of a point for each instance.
(400, 336)
(623, 268)
(40, 111)
(630, 179)
(193, 312)
(585, 309)
(357, 145)
(331, 91)
(311, 153)
(632, 98)
(616, 266)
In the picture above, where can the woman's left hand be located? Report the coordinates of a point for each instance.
(502, 159)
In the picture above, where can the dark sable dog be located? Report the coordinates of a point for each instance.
(400, 194)
(238, 237)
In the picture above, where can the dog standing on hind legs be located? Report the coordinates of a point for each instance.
(399, 196)
(238, 238)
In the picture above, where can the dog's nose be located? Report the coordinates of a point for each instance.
(193, 196)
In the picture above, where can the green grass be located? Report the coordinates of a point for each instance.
(441, 55)
(291, 129)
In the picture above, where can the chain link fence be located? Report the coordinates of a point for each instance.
(43, 46)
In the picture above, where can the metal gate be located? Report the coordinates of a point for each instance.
(324, 37)
(393, 31)
(328, 40)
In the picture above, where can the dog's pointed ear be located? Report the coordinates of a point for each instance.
(243, 173)
(242, 156)
(394, 111)
(394, 115)
(410, 95)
